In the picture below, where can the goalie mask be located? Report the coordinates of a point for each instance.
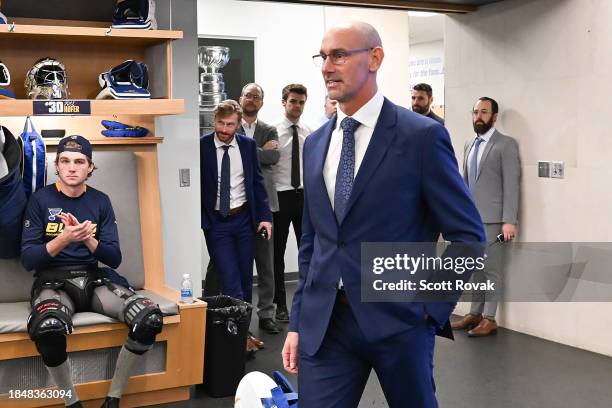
(5, 75)
(47, 79)
(128, 80)
(138, 14)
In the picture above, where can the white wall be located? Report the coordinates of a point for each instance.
(180, 206)
(549, 65)
(286, 36)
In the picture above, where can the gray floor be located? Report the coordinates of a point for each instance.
(508, 370)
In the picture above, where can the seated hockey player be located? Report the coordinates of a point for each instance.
(68, 228)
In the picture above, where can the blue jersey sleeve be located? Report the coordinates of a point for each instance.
(108, 251)
(34, 253)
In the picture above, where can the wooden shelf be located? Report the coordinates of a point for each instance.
(106, 107)
(104, 35)
(111, 141)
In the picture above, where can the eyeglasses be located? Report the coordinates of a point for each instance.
(338, 57)
(252, 97)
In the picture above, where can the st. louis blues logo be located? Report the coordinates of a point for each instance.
(53, 212)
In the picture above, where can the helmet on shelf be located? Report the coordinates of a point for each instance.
(47, 79)
(5, 75)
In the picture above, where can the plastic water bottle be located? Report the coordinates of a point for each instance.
(186, 289)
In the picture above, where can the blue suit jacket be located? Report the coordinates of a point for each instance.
(408, 189)
(253, 180)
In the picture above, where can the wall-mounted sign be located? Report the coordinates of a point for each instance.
(426, 68)
(63, 107)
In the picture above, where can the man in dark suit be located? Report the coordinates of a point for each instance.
(266, 137)
(292, 131)
(422, 98)
(234, 202)
(377, 173)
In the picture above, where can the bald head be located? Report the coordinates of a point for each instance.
(356, 55)
(364, 33)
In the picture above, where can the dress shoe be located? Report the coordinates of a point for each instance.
(269, 325)
(468, 321)
(484, 328)
(251, 348)
(255, 341)
(110, 402)
(282, 314)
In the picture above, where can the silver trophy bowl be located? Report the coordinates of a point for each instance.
(212, 87)
(211, 100)
(213, 58)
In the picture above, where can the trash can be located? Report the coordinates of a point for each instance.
(227, 326)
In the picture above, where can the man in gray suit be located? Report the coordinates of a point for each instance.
(266, 138)
(492, 170)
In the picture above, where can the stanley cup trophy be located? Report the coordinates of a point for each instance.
(212, 88)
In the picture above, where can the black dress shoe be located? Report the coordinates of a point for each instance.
(282, 314)
(269, 325)
(110, 402)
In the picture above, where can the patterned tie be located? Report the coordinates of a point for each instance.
(473, 170)
(346, 167)
(295, 159)
(224, 196)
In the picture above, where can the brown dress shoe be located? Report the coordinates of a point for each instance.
(468, 321)
(484, 328)
(256, 342)
(251, 349)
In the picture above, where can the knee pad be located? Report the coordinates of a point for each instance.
(144, 319)
(49, 317)
(52, 348)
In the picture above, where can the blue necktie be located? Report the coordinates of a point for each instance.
(346, 167)
(473, 170)
(224, 191)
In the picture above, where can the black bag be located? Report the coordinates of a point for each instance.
(12, 198)
(227, 327)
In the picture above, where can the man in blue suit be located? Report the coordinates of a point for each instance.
(234, 201)
(377, 173)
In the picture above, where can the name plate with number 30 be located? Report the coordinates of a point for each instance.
(64, 107)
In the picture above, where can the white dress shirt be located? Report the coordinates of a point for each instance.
(367, 115)
(486, 137)
(249, 130)
(237, 191)
(282, 170)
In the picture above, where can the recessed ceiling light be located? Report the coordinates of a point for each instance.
(421, 14)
